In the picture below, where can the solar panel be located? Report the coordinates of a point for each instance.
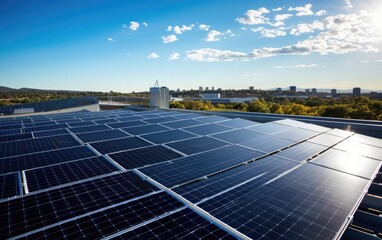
(360, 149)
(44, 128)
(88, 128)
(10, 126)
(127, 124)
(117, 145)
(268, 143)
(81, 124)
(161, 119)
(145, 129)
(20, 147)
(340, 133)
(238, 123)
(347, 162)
(10, 132)
(144, 156)
(199, 165)
(129, 118)
(375, 142)
(326, 139)
(101, 135)
(50, 176)
(212, 119)
(269, 128)
(106, 121)
(302, 125)
(48, 133)
(35, 211)
(262, 170)
(182, 123)
(112, 220)
(8, 138)
(237, 136)
(207, 129)
(317, 205)
(9, 185)
(167, 136)
(296, 134)
(184, 224)
(301, 152)
(196, 145)
(18, 163)
(189, 116)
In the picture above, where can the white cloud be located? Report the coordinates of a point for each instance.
(302, 11)
(180, 30)
(134, 26)
(169, 39)
(213, 36)
(277, 9)
(153, 55)
(254, 17)
(364, 61)
(299, 66)
(214, 55)
(321, 13)
(204, 27)
(110, 39)
(124, 26)
(307, 28)
(145, 24)
(169, 28)
(272, 33)
(174, 56)
(282, 17)
(257, 29)
(348, 4)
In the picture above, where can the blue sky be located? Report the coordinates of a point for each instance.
(125, 46)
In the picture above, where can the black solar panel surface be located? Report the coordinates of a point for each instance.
(145, 129)
(196, 145)
(55, 175)
(9, 185)
(101, 135)
(167, 136)
(207, 129)
(121, 144)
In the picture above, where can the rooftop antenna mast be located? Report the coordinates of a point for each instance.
(156, 83)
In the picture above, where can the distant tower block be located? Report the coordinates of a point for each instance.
(293, 88)
(251, 88)
(314, 90)
(159, 97)
(334, 92)
(356, 92)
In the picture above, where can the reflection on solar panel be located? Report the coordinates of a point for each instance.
(169, 174)
(196, 145)
(143, 156)
(46, 177)
(9, 185)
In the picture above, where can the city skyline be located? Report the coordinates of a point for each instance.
(124, 46)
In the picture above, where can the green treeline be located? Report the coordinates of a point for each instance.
(357, 108)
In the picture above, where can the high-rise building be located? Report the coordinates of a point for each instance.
(356, 92)
(334, 92)
(293, 88)
(206, 88)
(279, 90)
(307, 91)
(200, 89)
(314, 90)
(251, 88)
(159, 97)
(213, 88)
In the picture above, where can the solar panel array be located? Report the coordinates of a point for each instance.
(165, 174)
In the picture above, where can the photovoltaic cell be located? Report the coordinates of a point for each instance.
(9, 132)
(39, 210)
(106, 121)
(44, 128)
(302, 125)
(144, 129)
(326, 139)
(18, 163)
(199, 165)
(268, 143)
(121, 144)
(185, 224)
(182, 123)
(212, 119)
(81, 124)
(144, 156)
(189, 116)
(318, 204)
(112, 220)
(301, 152)
(9, 185)
(20, 147)
(207, 129)
(101, 135)
(375, 142)
(196, 145)
(167, 136)
(347, 162)
(238, 123)
(263, 170)
(88, 128)
(237, 136)
(50, 176)
(340, 133)
(161, 119)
